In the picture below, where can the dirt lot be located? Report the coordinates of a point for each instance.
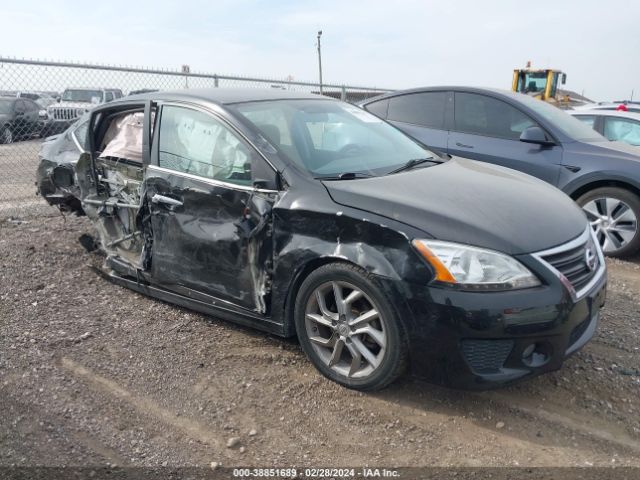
(93, 373)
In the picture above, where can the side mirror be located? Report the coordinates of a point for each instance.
(264, 184)
(264, 177)
(536, 136)
(564, 78)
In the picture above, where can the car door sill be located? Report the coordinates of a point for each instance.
(245, 318)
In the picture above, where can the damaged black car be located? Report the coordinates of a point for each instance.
(302, 215)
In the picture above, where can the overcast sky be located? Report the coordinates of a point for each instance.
(395, 44)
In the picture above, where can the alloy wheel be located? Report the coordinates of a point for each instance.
(613, 220)
(346, 329)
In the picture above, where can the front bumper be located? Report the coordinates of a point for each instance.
(475, 340)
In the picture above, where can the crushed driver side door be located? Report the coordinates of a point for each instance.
(211, 226)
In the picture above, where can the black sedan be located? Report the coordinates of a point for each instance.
(520, 132)
(302, 215)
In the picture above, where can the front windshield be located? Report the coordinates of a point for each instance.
(86, 96)
(534, 82)
(5, 105)
(570, 126)
(329, 138)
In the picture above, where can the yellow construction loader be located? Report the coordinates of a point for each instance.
(541, 83)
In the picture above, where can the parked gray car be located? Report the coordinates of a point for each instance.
(18, 118)
(615, 125)
(525, 134)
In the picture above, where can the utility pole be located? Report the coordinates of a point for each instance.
(320, 60)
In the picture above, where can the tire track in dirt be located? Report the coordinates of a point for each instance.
(591, 427)
(144, 405)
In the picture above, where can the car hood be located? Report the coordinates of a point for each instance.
(469, 202)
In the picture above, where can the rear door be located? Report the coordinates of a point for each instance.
(488, 129)
(423, 116)
(211, 227)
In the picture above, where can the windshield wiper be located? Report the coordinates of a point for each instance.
(347, 176)
(414, 162)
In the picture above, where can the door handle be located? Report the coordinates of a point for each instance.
(166, 200)
(463, 145)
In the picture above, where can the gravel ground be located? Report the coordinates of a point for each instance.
(18, 163)
(92, 373)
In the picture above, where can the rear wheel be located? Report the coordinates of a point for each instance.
(613, 214)
(349, 329)
(6, 135)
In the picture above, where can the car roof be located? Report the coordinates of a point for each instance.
(491, 91)
(224, 96)
(608, 113)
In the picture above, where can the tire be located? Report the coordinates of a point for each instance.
(6, 135)
(367, 354)
(614, 213)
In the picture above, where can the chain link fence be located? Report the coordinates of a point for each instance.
(37, 97)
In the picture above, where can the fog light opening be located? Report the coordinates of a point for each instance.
(536, 354)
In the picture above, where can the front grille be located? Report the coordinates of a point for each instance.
(577, 263)
(64, 113)
(486, 356)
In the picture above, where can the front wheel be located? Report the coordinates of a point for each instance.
(349, 329)
(613, 214)
(6, 135)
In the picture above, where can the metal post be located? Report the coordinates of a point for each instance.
(343, 94)
(215, 81)
(186, 69)
(320, 60)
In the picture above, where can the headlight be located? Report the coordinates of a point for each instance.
(42, 113)
(475, 268)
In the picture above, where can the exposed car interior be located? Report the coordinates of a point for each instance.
(119, 171)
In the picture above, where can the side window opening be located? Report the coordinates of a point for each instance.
(123, 138)
(425, 109)
(379, 108)
(483, 115)
(197, 143)
(81, 133)
(623, 130)
(587, 119)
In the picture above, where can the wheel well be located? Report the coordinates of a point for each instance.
(603, 183)
(301, 275)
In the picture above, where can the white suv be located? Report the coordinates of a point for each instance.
(74, 103)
